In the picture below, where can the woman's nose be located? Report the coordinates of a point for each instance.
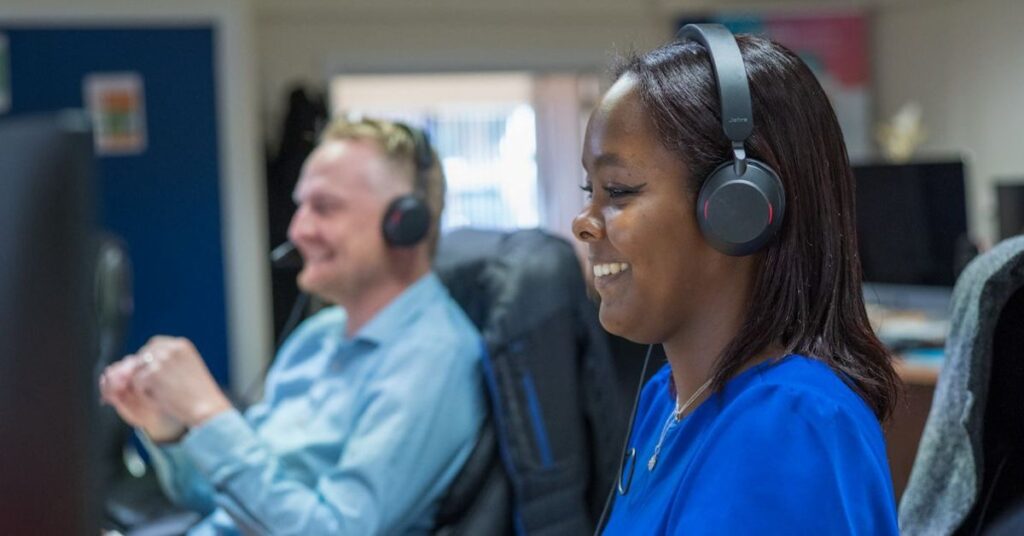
(587, 226)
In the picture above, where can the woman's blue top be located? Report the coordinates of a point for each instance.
(786, 447)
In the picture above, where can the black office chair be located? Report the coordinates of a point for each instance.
(1003, 437)
(547, 455)
(479, 501)
(970, 463)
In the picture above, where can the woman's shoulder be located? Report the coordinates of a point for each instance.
(797, 381)
(793, 437)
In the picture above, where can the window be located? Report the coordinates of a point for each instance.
(482, 127)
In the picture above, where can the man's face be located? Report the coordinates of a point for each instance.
(341, 197)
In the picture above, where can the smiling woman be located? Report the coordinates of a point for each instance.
(731, 242)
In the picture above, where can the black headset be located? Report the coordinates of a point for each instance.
(742, 202)
(407, 218)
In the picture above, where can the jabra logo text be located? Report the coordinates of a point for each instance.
(738, 119)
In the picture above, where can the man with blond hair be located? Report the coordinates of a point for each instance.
(372, 405)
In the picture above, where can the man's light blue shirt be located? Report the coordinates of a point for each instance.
(353, 436)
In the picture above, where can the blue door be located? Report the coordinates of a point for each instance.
(165, 201)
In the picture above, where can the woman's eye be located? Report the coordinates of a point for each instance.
(617, 192)
(612, 191)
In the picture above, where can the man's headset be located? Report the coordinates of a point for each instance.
(741, 203)
(407, 219)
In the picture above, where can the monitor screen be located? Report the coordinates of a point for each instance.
(911, 222)
(47, 327)
(1010, 204)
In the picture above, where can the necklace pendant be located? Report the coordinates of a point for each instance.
(652, 462)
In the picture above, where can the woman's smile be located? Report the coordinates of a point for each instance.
(607, 273)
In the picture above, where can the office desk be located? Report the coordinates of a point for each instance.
(903, 431)
(910, 316)
(916, 373)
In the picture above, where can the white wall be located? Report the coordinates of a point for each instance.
(963, 61)
(313, 39)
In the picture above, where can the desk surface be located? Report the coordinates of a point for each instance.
(916, 373)
(919, 370)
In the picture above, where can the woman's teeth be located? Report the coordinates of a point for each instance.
(611, 268)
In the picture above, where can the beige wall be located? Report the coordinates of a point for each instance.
(312, 39)
(962, 61)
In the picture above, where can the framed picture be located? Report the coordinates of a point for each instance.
(116, 103)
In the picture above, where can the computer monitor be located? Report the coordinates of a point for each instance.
(1010, 206)
(911, 222)
(47, 327)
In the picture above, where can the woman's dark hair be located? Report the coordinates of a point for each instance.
(807, 294)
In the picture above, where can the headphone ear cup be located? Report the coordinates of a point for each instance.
(406, 221)
(739, 215)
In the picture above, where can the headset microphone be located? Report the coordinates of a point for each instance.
(627, 453)
(285, 255)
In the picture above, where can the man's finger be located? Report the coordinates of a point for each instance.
(116, 377)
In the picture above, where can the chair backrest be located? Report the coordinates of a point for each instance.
(969, 464)
(556, 419)
(1002, 458)
(479, 501)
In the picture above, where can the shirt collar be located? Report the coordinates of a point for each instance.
(390, 320)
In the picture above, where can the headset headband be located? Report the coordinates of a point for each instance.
(423, 157)
(407, 219)
(733, 88)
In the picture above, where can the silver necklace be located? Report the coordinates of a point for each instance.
(674, 417)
